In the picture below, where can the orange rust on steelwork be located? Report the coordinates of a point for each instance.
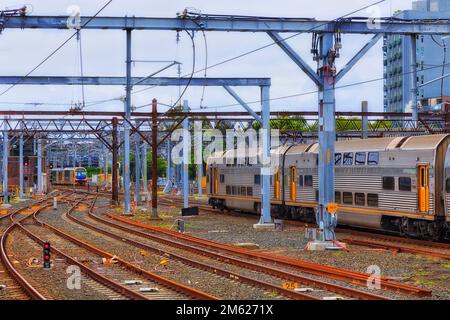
(292, 263)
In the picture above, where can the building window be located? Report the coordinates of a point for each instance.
(300, 181)
(249, 191)
(373, 159)
(257, 179)
(233, 190)
(447, 186)
(243, 191)
(337, 197)
(360, 199)
(317, 195)
(228, 190)
(338, 159)
(372, 200)
(348, 198)
(404, 184)
(308, 181)
(360, 159)
(222, 178)
(388, 183)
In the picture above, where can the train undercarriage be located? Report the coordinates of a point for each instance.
(413, 228)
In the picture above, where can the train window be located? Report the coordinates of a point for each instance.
(348, 198)
(447, 186)
(233, 190)
(228, 190)
(404, 184)
(360, 199)
(338, 159)
(360, 159)
(388, 183)
(249, 191)
(257, 179)
(222, 178)
(308, 181)
(300, 181)
(207, 178)
(372, 200)
(348, 158)
(373, 159)
(337, 197)
(243, 191)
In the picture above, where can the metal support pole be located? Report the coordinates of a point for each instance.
(327, 138)
(21, 162)
(5, 161)
(265, 156)
(105, 165)
(364, 120)
(414, 77)
(137, 160)
(127, 128)
(154, 159)
(144, 168)
(115, 160)
(199, 155)
(169, 161)
(186, 144)
(39, 167)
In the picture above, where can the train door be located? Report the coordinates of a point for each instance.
(277, 185)
(293, 183)
(423, 191)
(215, 180)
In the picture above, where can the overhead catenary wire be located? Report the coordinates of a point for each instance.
(56, 50)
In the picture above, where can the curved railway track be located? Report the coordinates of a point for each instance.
(358, 237)
(111, 274)
(272, 265)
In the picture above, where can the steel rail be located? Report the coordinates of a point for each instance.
(291, 263)
(208, 268)
(397, 248)
(25, 285)
(252, 265)
(151, 276)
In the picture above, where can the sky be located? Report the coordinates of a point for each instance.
(104, 55)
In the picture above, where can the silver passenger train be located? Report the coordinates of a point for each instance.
(399, 184)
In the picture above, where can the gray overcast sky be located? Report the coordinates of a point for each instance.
(104, 54)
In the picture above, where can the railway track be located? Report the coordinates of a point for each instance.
(361, 238)
(147, 286)
(195, 263)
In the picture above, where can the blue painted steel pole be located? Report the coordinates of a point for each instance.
(39, 167)
(137, 158)
(21, 162)
(414, 77)
(127, 128)
(186, 153)
(144, 168)
(327, 138)
(5, 161)
(265, 153)
(169, 161)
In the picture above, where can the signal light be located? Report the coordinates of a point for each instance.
(51, 165)
(47, 255)
(25, 161)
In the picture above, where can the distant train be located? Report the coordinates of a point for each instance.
(399, 184)
(69, 176)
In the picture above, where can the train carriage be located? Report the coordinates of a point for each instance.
(399, 184)
(69, 176)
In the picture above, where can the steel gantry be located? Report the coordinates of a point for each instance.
(325, 77)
